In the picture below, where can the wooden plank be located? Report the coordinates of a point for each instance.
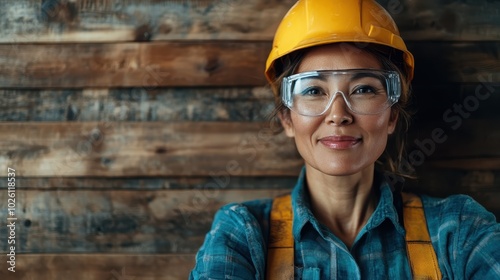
(118, 221)
(461, 62)
(445, 20)
(126, 149)
(133, 65)
(223, 179)
(133, 20)
(445, 181)
(152, 65)
(99, 266)
(137, 104)
(469, 144)
(456, 138)
(481, 184)
(45, 21)
(432, 103)
(486, 163)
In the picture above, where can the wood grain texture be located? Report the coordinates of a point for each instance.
(433, 102)
(460, 62)
(137, 104)
(457, 138)
(128, 149)
(446, 20)
(481, 184)
(100, 266)
(119, 221)
(222, 178)
(153, 65)
(148, 65)
(479, 163)
(134, 20)
(126, 20)
(446, 181)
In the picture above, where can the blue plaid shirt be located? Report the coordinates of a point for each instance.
(465, 236)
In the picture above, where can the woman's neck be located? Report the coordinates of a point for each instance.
(342, 203)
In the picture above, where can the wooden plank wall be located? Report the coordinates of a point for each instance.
(130, 122)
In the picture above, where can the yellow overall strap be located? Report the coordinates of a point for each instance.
(423, 260)
(280, 261)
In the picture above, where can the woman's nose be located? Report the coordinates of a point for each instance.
(338, 113)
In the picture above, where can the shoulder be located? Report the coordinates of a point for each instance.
(465, 235)
(235, 246)
(254, 211)
(245, 222)
(457, 214)
(456, 208)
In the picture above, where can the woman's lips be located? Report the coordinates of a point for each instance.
(339, 142)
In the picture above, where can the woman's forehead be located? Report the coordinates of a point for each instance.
(336, 57)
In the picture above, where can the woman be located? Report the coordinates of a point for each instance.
(340, 74)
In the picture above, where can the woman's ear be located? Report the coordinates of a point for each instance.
(286, 122)
(393, 120)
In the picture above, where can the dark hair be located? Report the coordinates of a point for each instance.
(391, 59)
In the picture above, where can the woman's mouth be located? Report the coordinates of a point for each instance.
(340, 142)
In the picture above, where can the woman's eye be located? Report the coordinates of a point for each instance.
(364, 90)
(311, 91)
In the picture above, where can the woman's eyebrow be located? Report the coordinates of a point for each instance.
(315, 77)
(361, 75)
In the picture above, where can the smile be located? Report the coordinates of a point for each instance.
(339, 142)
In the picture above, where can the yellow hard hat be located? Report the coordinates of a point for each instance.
(317, 22)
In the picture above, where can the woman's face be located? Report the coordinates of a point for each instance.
(339, 142)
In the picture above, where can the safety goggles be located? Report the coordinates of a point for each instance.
(365, 91)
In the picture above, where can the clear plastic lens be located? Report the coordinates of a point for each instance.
(365, 91)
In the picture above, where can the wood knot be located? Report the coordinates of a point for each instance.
(160, 150)
(143, 33)
(59, 11)
(106, 161)
(212, 64)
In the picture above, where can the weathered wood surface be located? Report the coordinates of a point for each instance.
(482, 185)
(112, 21)
(99, 266)
(455, 142)
(223, 179)
(441, 182)
(118, 221)
(153, 65)
(460, 62)
(137, 104)
(430, 101)
(446, 20)
(132, 64)
(458, 138)
(437, 102)
(146, 149)
(478, 163)
(134, 20)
